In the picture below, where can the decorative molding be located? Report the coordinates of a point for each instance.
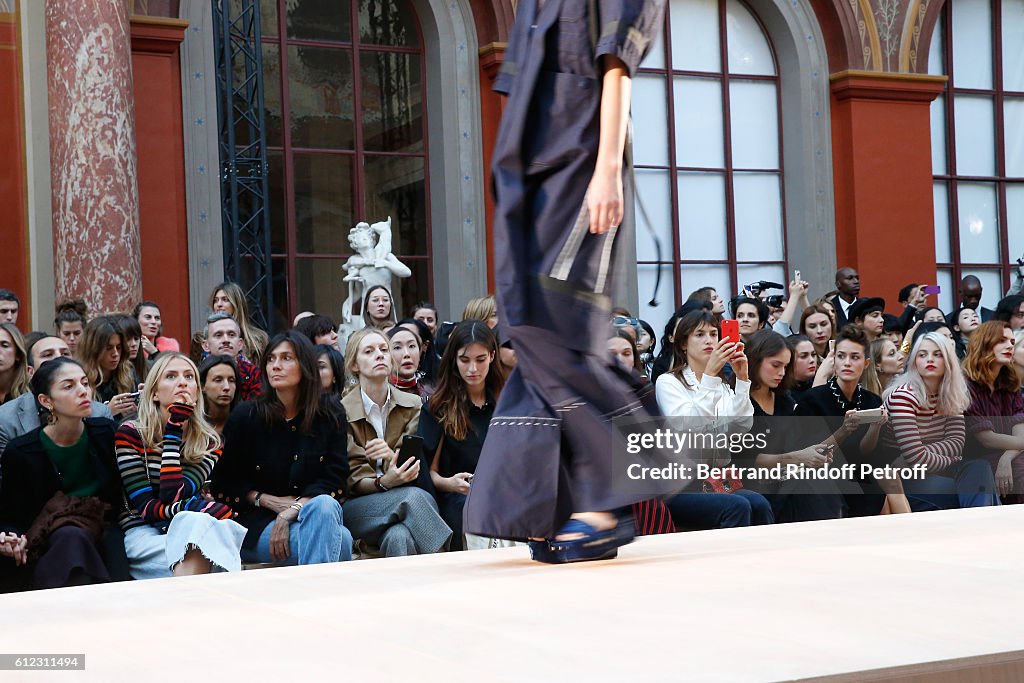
(875, 85)
(157, 35)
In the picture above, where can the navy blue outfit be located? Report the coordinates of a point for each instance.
(548, 449)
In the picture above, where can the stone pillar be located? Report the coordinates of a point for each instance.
(92, 153)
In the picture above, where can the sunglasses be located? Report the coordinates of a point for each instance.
(623, 321)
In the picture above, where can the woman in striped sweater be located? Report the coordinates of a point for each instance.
(926, 407)
(165, 458)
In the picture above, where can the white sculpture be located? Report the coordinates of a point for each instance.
(372, 264)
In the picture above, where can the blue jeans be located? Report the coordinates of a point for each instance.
(719, 510)
(968, 484)
(317, 536)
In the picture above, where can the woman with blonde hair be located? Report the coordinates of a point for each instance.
(102, 352)
(165, 458)
(388, 507)
(887, 361)
(229, 298)
(926, 405)
(995, 418)
(482, 308)
(13, 363)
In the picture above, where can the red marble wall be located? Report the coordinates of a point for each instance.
(92, 154)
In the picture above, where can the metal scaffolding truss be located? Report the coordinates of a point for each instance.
(243, 153)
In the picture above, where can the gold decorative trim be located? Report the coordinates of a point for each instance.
(143, 20)
(887, 76)
(492, 49)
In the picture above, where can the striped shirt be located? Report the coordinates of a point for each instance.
(922, 436)
(177, 486)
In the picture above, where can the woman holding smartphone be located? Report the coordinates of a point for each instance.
(388, 509)
(453, 423)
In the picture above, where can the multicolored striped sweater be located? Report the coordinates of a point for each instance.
(157, 484)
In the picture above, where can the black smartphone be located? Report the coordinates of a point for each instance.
(412, 447)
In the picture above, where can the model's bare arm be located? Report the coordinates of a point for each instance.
(604, 197)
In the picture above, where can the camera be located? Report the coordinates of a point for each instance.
(754, 289)
(773, 301)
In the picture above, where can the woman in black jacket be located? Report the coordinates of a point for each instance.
(60, 485)
(285, 462)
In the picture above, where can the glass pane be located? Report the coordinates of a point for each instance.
(938, 116)
(991, 286)
(940, 199)
(319, 20)
(1013, 125)
(972, 43)
(1013, 46)
(394, 187)
(272, 94)
(936, 50)
(655, 58)
(757, 199)
(388, 22)
(268, 17)
(415, 288)
(320, 97)
(324, 210)
(1015, 218)
(699, 136)
(702, 217)
(695, 35)
(694, 277)
(749, 52)
(319, 287)
(944, 279)
(649, 141)
(975, 135)
(653, 202)
(750, 274)
(657, 316)
(979, 225)
(392, 102)
(755, 124)
(282, 317)
(276, 205)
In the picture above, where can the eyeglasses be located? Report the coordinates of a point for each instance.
(623, 321)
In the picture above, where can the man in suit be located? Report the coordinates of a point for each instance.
(848, 285)
(970, 297)
(21, 416)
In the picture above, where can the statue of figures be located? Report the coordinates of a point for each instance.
(372, 264)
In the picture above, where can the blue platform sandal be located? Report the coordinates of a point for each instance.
(594, 545)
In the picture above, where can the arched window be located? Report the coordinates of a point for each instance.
(346, 140)
(708, 155)
(978, 145)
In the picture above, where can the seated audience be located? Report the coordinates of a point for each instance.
(331, 365)
(1011, 310)
(228, 297)
(379, 308)
(887, 361)
(219, 379)
(453, 423)
(694, 388)
(9, 305)
(963, 321)
(405, 359)
(646, 347)
(223, 336)
(838, 401)
(387, 509)
(70, 321)
(623, 349)
(926, 427)
(131, 337)
(319, 329)
(148, 315)
(1018, 355)
(21, 415)
(867, 313)
(111, 377)
(803, 364)
(13, 363)
(995, 418)
(165, 457)
(750, 313)
(709, 295)
(816, 324)
(60, 483)
(426, 313)
(285, 465)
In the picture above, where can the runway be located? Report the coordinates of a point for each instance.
(929, 597)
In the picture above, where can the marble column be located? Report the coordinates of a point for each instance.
(97, 251)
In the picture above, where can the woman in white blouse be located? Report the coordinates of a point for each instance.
(694, 388)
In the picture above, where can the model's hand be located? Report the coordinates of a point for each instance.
(604, 201)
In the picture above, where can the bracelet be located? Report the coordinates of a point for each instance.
(379, 484)
(257, 501)
(296, 506)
